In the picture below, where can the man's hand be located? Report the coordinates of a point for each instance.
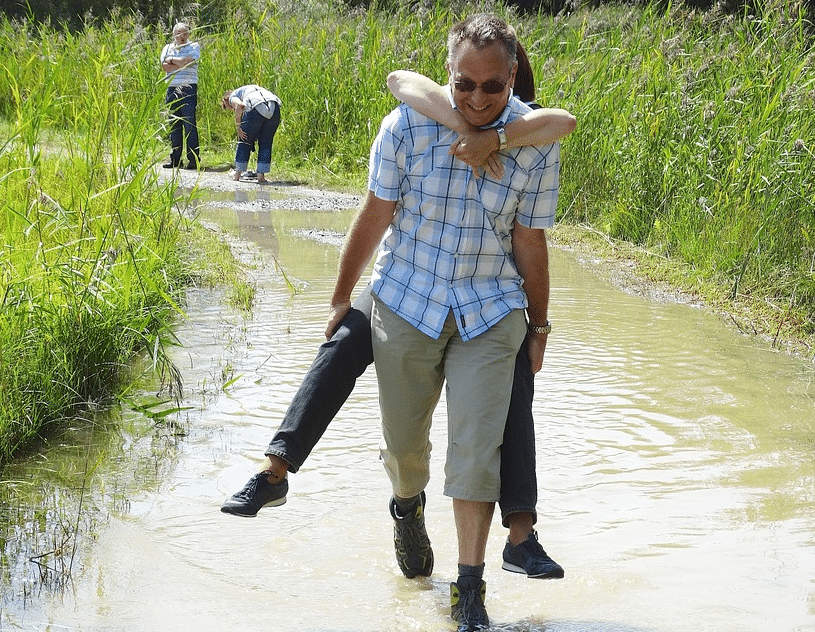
(536, 346)
(335, 315)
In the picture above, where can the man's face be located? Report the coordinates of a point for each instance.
(181, 35)
(483, 68)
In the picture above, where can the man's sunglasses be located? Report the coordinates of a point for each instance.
(492, 86)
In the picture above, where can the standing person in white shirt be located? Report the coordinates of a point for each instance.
(179, 60)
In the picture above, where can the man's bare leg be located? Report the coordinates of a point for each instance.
(467, 593)
(473, 520)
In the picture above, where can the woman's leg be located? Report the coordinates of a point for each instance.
(251, 124)
(265, 139)
(519, 483)
(324, 389)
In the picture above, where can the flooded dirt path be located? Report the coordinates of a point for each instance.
(676, 465)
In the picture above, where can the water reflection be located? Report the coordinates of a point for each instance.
(675, 465)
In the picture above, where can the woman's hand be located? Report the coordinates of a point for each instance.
(336, 313)
(478, 148)
(239, 108)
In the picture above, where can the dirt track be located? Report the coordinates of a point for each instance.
(280, 193)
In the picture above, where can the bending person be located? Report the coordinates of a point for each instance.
(257, 117)
(345, 356)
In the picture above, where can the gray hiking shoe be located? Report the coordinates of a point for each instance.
(255, 495)
(530, 558)
(413, 552)
(467, 607)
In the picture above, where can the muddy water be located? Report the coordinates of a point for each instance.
(676, 475)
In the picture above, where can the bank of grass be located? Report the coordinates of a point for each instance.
(694, 146)
(694, 155)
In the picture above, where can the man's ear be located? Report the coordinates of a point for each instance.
(512, 75)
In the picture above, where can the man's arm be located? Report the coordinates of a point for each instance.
(532, 261)
(365, 234)
(176, 63)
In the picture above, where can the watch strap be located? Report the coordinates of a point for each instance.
(540, 329)
(502, 137)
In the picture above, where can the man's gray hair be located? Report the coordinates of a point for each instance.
(483, 29)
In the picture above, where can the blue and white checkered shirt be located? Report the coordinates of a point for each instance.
(450, 243)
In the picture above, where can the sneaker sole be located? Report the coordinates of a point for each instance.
(234, 511)
(512, 568)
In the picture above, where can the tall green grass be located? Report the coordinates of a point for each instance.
(695, 140)
(89, 252)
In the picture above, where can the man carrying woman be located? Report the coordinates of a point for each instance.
(348, 352)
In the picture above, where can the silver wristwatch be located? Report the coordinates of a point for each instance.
(502, 138)
(540, 329)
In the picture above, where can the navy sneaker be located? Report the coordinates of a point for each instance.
(413, 552)
(467, 607)
(256, 494)
(530, 558)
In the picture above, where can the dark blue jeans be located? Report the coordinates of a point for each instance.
(258, 129)
(332, 376)
(183, 101)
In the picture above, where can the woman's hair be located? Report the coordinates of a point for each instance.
(524, 87)
(225, 99)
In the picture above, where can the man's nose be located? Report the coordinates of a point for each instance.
(479, 95)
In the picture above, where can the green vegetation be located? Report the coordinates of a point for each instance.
(694, 143)
(92, 261)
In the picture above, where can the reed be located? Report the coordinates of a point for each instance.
(91, 272)
(694, 141)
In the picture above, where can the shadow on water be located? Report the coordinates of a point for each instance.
(675, 468)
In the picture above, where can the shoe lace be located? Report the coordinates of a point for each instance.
(533, 546)
(471, 607)
(411, 533)
(250, 489)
